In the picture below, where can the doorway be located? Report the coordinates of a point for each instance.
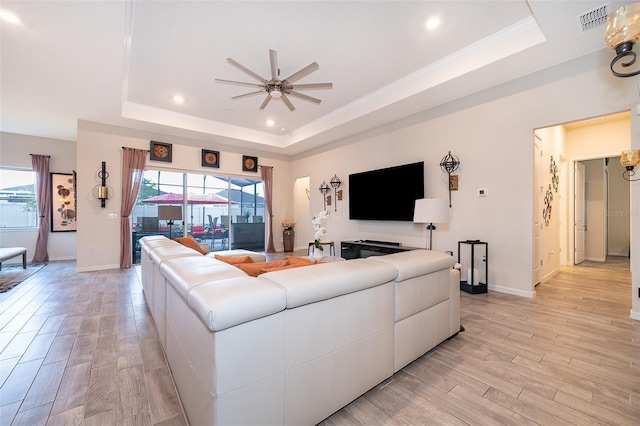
(596, 143)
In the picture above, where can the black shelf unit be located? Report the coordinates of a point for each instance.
(468, 285)
(366, 248)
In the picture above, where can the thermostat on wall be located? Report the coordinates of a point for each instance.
(482, 192)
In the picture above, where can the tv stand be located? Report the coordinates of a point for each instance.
(366, 248)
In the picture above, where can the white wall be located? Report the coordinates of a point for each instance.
(14, 152)
(99, 236)
(618, 211)
(494, 143)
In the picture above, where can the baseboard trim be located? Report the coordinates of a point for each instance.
(97, 268)
(507, 290)
(596, 259)
(634, 315)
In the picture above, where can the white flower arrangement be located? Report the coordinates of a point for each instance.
(316, 221)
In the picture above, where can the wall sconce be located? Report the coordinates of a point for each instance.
(335, 184)
(629, 159)
(324, 189)
(170, 213)
(623, 31)
(103, 192)
(449, 164)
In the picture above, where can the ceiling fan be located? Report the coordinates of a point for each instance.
(275, 87)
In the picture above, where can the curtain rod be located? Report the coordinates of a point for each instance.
(146, 150)
(42, 155)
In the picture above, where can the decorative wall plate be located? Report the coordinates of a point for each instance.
(249, 163)
(210, 158)
(160, 151)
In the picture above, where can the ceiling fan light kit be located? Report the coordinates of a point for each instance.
(275, 87)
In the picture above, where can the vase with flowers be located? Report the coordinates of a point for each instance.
(319, 231)
(288, 234)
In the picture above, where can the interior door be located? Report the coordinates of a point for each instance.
(537, 216)
(580, 224)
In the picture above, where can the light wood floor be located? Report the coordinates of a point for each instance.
(81, 348)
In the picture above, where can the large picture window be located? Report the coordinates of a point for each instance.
(219, 211)
(18, 199)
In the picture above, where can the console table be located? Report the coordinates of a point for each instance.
(366, 248)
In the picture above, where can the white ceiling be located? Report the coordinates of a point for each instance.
(121, 63)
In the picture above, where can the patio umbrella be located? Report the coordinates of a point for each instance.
(191, 199)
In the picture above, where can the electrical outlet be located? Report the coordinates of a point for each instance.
(482, 192)
(89, 249)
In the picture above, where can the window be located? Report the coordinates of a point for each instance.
(18, 199)
(221, 211)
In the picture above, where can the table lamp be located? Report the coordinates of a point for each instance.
(431, 210)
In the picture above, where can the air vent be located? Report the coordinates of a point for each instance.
(593, 18)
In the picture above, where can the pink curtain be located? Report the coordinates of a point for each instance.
(132, 171)
(40, 164)
(267, 179)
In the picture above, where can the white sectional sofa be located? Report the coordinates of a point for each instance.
(296, 345)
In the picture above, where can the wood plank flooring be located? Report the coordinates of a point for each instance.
(81, 349)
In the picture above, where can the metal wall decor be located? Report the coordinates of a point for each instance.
(449, 164)
(555, 179)
(546, 212)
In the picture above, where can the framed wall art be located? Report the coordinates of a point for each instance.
(160, 151)
(249, 163)
(210, 158)
(63, 202)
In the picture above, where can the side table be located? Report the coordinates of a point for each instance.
(468, 285)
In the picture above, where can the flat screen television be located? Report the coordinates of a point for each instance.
(386, 194)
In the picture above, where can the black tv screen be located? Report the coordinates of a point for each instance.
(386, 194)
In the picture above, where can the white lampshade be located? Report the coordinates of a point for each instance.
(431, 210)
(170, 212)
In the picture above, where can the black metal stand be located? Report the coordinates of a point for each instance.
(468, 285)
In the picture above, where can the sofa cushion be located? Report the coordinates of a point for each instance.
(190, 242)
(163, 253)
(234, 260)
(225, 303)
(185, 273)
(326, 280)
(413, 263)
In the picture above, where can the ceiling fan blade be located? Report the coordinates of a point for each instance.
(312, 86)
(238, 83)
(305, 97)
(303, 72)
(286, 100)
(273, 59)
(246, 70)
(266, 101)
(247, 95)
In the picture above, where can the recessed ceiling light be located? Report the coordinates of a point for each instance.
(433, 23)
(270, 123)
(9, 17)
(178, 99)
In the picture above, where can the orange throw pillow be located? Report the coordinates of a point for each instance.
(255, 269)
(234, 260)
(190, 242)
(302, 261)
